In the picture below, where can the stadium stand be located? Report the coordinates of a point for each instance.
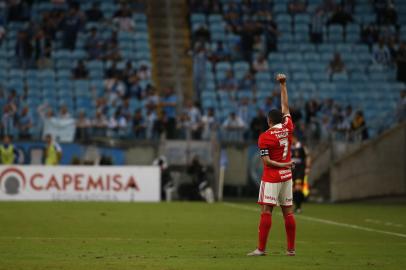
(89, 59)
(92, 62)
(340, 58)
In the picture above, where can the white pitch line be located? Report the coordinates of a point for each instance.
(324, 221)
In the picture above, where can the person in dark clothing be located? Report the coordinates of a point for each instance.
(166, 178)
(138, 125)
(18, 11)
(80, 72)
(94, 14)
(401, 62)
(340, 16)
(197, 172)
(258, 124)
(301, 159)
(23, 49)
(359, 127)
(42, 49)
(70, 26)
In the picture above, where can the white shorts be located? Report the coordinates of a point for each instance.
(276, 193)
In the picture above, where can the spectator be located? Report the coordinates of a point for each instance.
(248, 82)
(42, 50)
(117, 125)
(23, 50)
(80, 71)
(161, 126)
(209, 124)
(229, 83)
(94, 45)
(112, 52)
(380, 9)
(184, 126)
(199, 70)
(194, 115)
(247, 33)
(151, 97)
(327, 6)
(271, 34)
(8, 119)
(258, 124)
(125, 109)
(70, 26)
(296, 6)
(168, 103)
(53, 151)
(340, 16)
(112, 71)
(220, 53)
(18, 11)
(99, 124)
(370, 35)
(134, 89)
(25, 124)
(2, 34)
(381, 55)
(8, 152)
(390, 16)
(316, 27)
(401, 107)
(94, 14)
(64, 113)
(128, 72)
(233, 127)
(260, 64)
(258, 46)
(138, 125)
(123, 19)
(401, 62)
(114, 89)
(144, 73)
(359, 126)
(150, 119)
(244, 109)
(83, 125)
(268, 105)
(336, 65)
(50, 23)
(201, 35)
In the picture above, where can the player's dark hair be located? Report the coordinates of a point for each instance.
(275, 116)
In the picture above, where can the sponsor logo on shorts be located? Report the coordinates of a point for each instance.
(270, 198)
(288, 200)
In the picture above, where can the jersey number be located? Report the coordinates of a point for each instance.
(285, 144)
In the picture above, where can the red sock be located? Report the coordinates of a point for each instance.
(263, 230)
(290, 227)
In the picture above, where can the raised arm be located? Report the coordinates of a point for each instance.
(281, 78)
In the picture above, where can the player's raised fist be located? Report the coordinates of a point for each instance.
(281, 78)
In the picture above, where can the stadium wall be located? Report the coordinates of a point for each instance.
(376, 169)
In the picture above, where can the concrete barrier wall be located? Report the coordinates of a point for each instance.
(141, 155)
(376, 169)
(236, 173)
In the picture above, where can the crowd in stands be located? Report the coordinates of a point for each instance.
(251, 33)
(253, 28)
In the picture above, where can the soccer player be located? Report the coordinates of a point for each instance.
(276, 183)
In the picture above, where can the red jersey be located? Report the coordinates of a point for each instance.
(276, 143)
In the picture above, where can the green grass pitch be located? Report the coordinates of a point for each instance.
(71, 235)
